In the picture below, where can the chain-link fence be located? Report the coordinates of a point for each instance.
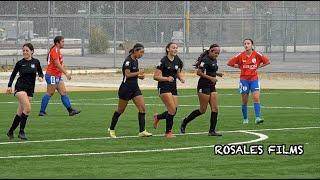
(107, 28)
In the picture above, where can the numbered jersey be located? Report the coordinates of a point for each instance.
(52, 70)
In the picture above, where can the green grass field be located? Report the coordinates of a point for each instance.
(60, 146)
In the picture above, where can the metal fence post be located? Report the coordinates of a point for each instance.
(284, 33)
(184, 31)
(48, 27)
(187, 19)
(254, 21)
(17, 30)
(295, 28)
(114, 34)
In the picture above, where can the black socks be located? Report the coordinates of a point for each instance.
(114, 121)
(162, 115)
(213, 121)
(15, 123)
(169, 122)
(191, 117)
(141, 118)
(23, 122)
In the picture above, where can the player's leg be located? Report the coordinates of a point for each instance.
(124, 95)
(65, 98)
(168, 100)
(244, 91)
(214, 114)
(160, 116)
(139, 102)
(122, 104)
(157, 117)
(255, 89)
(24, 100)
(15, 122)
(51, 88)
(204, 98)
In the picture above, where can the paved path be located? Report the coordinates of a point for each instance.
(295, 62)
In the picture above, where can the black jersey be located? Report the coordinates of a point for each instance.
(27, 74)
(169, 68)
(133, 65)
(209, 67)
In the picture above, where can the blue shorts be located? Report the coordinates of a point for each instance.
(53, 79)
(245, 86)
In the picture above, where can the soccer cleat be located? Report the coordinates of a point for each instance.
(112, 133)
(213, 133)
(10, 135)
(144, 134)
(22, 135)
(42, 113)
(259, 120)
(155, 120)
(74, 112)
(182, 127)
(169, 134)
(245, 121)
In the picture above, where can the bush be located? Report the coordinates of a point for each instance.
(98, 42)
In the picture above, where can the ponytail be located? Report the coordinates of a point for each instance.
(199, 60)
(56, 40)
(206, 52)
(49, 53)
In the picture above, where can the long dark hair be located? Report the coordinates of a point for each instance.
(206, 52)
(56, 40)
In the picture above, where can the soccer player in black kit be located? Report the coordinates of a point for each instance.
(168, 70)
(129, 89)
(28, 67)
(207, 70)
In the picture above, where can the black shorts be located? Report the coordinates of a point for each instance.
(127, 93)
(28, 91)
(168, 89)
(206, 90)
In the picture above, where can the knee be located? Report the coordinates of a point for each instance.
(256, 99)
(50, 94)
(62, 93)
(26, 110)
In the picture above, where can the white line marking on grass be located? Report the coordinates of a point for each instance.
(181, 105)
(312, 92)
(147, 97)
(157, 135)
(261, 138)
(260, 135)
(154, 97)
